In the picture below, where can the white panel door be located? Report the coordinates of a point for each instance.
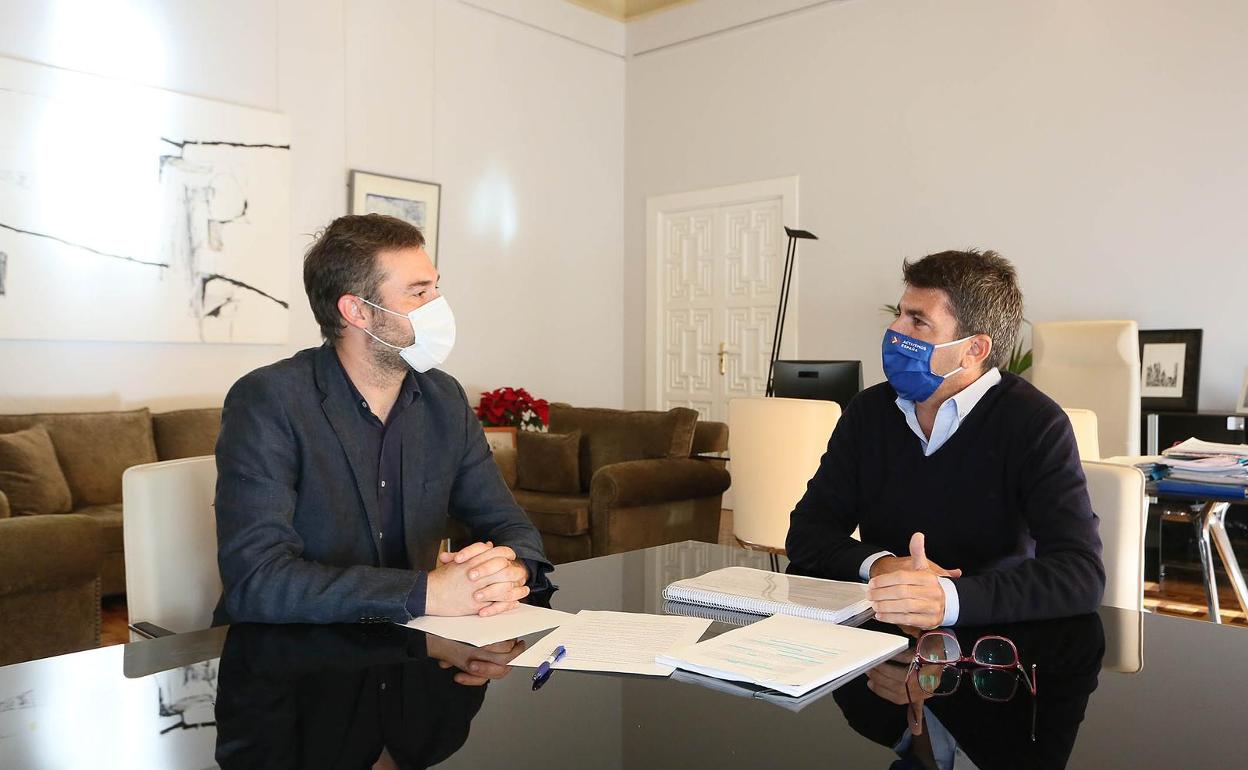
(715, 265)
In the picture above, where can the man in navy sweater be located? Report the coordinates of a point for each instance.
(954, 458)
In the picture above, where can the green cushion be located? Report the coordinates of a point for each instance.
(30, 476)
(610, 436)
(93, 448)
(186, 433)
(548, 462)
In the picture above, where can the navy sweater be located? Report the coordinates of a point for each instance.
(1005, 500)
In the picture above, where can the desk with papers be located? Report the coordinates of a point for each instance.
(1117, 689)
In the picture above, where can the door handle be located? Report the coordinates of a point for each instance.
(723, 354)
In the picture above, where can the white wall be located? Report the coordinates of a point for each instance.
(518, 112)
(1099, 145)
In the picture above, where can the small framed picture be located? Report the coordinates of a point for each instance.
(417, 203)
(500, 437)
(1170, 370)
(1241, 406)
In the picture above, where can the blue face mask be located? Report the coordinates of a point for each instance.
(908, 365)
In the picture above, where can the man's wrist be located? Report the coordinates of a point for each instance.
(866, 569)
(951, 605)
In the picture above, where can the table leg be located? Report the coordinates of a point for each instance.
(1218, 527)
(1201, 524)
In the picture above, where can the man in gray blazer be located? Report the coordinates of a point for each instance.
(338, 467)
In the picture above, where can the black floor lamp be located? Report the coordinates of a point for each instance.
(790, 257)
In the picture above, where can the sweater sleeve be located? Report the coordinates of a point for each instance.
(819, 542)
(1066, 577)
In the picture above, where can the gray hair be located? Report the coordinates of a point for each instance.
(983, 295)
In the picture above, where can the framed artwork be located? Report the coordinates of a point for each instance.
(1241, 406)
(169, 206)
(500, 437)
(1170, 370)
(417, 203)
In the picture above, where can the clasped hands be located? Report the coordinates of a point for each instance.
(906, 591)
(482, 579)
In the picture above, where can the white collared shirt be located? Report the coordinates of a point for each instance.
(948, 418)
(951, 413)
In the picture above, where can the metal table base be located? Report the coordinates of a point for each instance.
(1211, 524)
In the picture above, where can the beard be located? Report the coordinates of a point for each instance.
(386, 360)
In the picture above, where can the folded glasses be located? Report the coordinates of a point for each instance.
(937, 668)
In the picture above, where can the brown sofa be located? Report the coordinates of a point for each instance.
(630, 480)
(49, 605)
(93, 449)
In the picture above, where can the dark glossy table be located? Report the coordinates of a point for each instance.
(1116, 689)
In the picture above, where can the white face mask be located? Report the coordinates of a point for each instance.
(433, 327)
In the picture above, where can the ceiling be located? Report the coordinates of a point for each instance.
(626, 9)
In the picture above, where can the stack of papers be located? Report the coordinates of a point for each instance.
(760, 592)
(1194, 448)
(788, 654)
(1202, 468)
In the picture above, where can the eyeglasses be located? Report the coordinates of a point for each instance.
(937, 658)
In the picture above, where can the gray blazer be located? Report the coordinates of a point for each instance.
(297, 538)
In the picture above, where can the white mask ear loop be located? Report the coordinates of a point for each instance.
(934, 347)
(374, 336)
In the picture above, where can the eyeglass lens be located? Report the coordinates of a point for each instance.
(998, 684)
(939, 648)
(991, 651)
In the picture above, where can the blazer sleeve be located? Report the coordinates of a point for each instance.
(819, 542)
(481, 500)
(260, 554)
(1066, 577)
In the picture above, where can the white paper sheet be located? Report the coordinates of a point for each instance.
(477, 631)
(787, 654)
(622, 642)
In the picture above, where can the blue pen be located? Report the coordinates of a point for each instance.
(543, 670)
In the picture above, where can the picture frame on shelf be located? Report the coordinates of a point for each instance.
(415, 202)
(500, 437)
(1241, 406)
(1170, 370)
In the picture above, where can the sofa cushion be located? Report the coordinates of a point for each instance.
(548, 462)
(611, 436)
(556, 514)
(186, 433)
(93, 448)
(30, 476)
(108, 517)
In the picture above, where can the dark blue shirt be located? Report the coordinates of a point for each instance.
(385, 440)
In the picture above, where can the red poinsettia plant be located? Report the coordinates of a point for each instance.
(513, 408)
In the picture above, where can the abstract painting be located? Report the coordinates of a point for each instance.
(417, 203)
(128, 213)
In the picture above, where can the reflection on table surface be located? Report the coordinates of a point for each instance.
(1115, 689)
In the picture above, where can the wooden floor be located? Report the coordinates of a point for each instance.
(1180, 595)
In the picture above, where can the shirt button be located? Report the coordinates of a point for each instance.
(381, 535)
(383, 685)
(383, 483)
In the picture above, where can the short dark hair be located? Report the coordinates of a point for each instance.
(983, 295)
(343, 260)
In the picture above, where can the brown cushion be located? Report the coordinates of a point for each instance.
(556, 514)
(548, 462)
(611, 436)
(93, 448)
(108, 517)
(29, 474)
(186, 433)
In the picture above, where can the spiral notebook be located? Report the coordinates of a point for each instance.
(760, 592)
